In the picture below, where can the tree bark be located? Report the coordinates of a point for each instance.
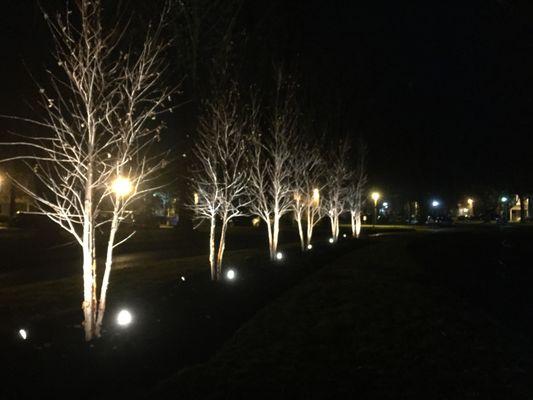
(221, 248)
(300, 231)
(107, 274)
(212, 245)
(357, 223)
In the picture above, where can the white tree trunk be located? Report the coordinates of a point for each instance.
(300, 230)
(357, 223)
(221, 248)
(275, 237)
(212, 248)
(107, 274)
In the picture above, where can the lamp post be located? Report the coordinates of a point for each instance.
(375, 196)
(122, 186)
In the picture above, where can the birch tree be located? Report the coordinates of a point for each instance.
(356, 190)
(307, 182)
(271, 172)
(338, 176)
(93, 156)
(220, 180)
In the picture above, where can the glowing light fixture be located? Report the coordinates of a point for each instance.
(375, 196)
(23, 334)
(316, 196)
(124, 318)
(122, 186)
(470, 202)
(230, 274)
(183, 279)
(344, 235)
(309, 246)
(331, 240)
(435, 203)
(504, 199)
(279, 255)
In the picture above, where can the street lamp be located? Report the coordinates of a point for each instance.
(316, 196)
(122, 186)
(375, 196)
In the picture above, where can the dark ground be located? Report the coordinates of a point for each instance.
(409, 315)
(425, 316)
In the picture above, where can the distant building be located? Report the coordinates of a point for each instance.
(516, 209)
(12, 199)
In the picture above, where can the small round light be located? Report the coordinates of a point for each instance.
(279, 255)
(504, 199)
(183, 279)
(331, 240)
(230, 274)
(23, 334)
(435, 203)
(344, 235)
(309, 246)
(124, 318)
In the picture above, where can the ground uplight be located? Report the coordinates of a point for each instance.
(124, 318)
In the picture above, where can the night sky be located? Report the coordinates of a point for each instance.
(441, 90)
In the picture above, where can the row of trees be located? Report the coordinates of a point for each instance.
(96, 150)
(261, 161)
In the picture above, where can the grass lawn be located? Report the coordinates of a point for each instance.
(378, 323)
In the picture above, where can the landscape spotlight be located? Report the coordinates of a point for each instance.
(309, 246)
(23, 334)
(183, 278)
(124, 318)
(344, 235)
(230, 274)
(122, 186)
(435, 203)
(331, 240)
(279, 255)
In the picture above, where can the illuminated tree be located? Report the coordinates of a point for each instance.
(338, 177)
(307, 177)
(271, 174)
(220, 179)
(94, 155)
(357, 189)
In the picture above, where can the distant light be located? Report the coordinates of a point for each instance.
(309, 246)
(364, 218)
(386, 205)
(375, 196)
(122, 186)
(183, 278)
(504, 199)
(316, 196)
(124, 318)
(331, 240)
(256, 221)
(23, 334)
(470, 202)
(344, 235)
(435, 203)
(230, 274)
(279, 255)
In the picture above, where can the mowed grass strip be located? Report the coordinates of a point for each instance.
(368, 326)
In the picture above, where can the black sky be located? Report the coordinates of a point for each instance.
(441, 90)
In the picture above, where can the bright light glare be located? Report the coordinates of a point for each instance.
(309, 246)
(470, 202)
(316, 196)
(279, 255)
(344, 235)
(386, 205)
(375, 196)
(23, 334)
(230, 274)
(435, 203)
(183, 278)
(504, 199)
(122, 186)
(124, 318)
(331, 240)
